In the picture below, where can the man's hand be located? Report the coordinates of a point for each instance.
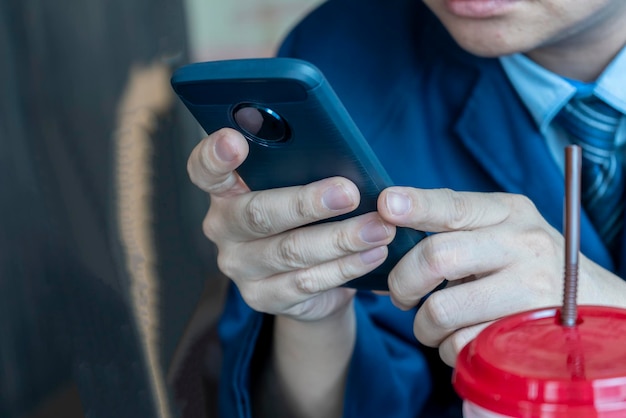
(498, 254)
(281, 266)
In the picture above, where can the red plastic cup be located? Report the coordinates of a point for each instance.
(530, 366)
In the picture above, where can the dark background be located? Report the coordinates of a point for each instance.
(69, 343)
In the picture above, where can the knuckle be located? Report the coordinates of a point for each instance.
(423, 334)
(223, 184)
(459, 340)
(347, 270)
(446, 357)
(461, 212)
(314, 280)
(210, 228)
(435, 255)
(305, 282)
(227, 264)
(395, 287)
(455, 343)
(204, 175)
(342, 241)
(400, 291)
(544, 288)
(438, 311)
(448, 350)
(256, 215)
(302, 207)
(290, 251)
(251, 297)
(520, 203)
(540, 242)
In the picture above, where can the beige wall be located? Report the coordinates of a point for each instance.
(220, 29)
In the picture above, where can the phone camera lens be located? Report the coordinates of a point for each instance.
(261, 124)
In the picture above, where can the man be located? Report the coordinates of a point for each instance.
(475, 141)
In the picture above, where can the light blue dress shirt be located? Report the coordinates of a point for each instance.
(545, 93)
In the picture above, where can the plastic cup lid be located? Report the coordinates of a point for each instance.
(529, 365)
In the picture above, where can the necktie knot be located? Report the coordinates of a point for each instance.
(592, 124)
(591, 121)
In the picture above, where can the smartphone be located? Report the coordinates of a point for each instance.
(298, 131)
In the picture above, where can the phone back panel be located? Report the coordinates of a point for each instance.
(297, 129)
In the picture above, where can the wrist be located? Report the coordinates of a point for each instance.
(311, 360)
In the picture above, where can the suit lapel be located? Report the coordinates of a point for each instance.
(502, 137)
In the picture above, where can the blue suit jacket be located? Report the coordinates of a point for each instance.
(436, 116)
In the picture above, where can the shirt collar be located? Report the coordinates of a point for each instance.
(611, 85)
(544, 93)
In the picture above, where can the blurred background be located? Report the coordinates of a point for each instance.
(109, 293)
(220, 29)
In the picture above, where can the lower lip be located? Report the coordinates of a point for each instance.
(478, 8)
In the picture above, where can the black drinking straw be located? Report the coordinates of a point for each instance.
(573, 163)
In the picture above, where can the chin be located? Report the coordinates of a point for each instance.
(488, 49)
(490, 40)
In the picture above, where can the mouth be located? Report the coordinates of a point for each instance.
(478, 9)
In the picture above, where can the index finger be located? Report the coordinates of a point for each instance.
(212, 163)
(442, 210)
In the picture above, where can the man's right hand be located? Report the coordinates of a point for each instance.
(281, 266)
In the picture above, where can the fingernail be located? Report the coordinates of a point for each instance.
(373, 255)
(225, 151)
(374, 231)
(398, 204)
(336, 198)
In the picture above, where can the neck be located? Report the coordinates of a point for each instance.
(585, 52)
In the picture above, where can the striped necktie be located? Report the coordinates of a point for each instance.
(592, 124)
